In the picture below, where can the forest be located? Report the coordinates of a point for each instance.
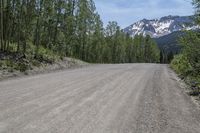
(46, 30)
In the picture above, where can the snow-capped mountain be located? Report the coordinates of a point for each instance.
(161, 27)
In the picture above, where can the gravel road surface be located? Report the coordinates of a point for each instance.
(124, 98)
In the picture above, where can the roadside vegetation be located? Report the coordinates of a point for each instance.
(187, 63)
(33, 32)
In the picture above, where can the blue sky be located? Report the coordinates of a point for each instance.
(126, 12)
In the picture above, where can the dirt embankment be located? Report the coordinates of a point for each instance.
(65, 63)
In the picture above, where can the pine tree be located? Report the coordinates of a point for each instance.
(68, 28)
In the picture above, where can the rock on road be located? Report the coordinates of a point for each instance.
(126, 98)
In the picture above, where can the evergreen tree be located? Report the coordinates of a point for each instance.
(68, 28)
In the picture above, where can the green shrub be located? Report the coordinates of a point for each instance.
(1, 64)
(181, 65)
(22, 67)
(35, 63)
(46, 55)
(9, 63)
(191, 50)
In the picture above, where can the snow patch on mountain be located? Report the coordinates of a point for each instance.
(161, 27)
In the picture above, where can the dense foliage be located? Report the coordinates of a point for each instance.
(188, 62)
(190, 55)
(70, 28)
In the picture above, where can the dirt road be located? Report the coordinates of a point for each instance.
(129, 98)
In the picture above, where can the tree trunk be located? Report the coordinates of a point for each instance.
(2, 30)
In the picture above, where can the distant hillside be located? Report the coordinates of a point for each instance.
(169, 43)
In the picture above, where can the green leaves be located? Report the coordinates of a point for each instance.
(187, 63)
(70, 28)
(191, 50)
(126, 49)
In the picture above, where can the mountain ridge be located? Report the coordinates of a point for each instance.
(162, 26)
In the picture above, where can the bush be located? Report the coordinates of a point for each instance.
(11, 65)
(187, 64)
(45, 55)
(6, 64)
(191, 50)
(22, 67)
(181, 65)
(1, 64)
(36, 63)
